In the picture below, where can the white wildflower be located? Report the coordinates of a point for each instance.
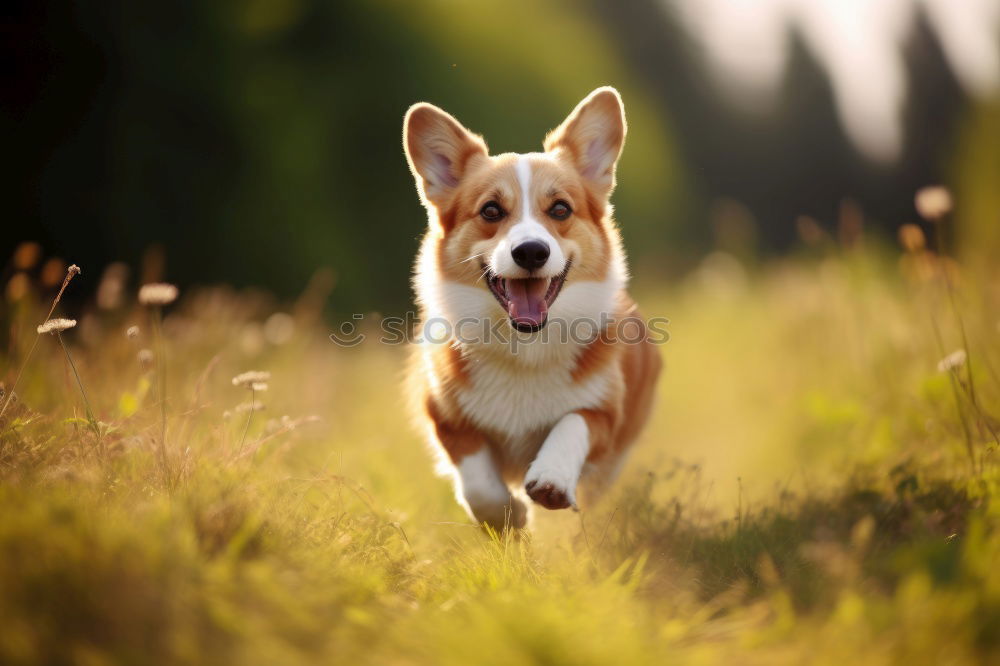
(145, 357)
(56, 325)
(952, 361)
(132, 333)
(251, 377)
(157, 293)
(933, 202)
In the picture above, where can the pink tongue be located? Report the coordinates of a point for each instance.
(527, 301)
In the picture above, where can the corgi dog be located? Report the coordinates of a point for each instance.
(535, 370)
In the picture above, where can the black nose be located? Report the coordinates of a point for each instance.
(531, 254)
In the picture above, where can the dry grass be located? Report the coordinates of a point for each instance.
(812, 489)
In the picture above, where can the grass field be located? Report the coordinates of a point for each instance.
(812, 488)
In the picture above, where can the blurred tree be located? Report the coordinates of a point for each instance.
(793, 159)
(258, 140)
(976, 173)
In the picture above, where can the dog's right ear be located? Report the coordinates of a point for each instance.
(438, 150)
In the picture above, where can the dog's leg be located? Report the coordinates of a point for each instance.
(552, 477)
(484, 494)
(478, 485)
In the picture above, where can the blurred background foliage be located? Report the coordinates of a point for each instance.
(255, 141)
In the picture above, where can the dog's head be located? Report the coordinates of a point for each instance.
(516, 226)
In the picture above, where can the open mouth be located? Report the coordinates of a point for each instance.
(527, 300)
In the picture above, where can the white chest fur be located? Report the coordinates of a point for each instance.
(512, 401)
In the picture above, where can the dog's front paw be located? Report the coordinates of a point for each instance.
(548, 495)
(552, 477)
(550, 488)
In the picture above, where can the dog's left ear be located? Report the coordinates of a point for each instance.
(439, 150)
(593, 136)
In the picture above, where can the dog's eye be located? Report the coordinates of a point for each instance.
(560, 210)
(492, 212)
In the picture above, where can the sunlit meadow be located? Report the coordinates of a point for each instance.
(818, 482)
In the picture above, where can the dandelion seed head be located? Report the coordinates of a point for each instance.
(132, 332)
(251, 377)
(157, 293)
(933, 202)
(56, 325)
(952, 361)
